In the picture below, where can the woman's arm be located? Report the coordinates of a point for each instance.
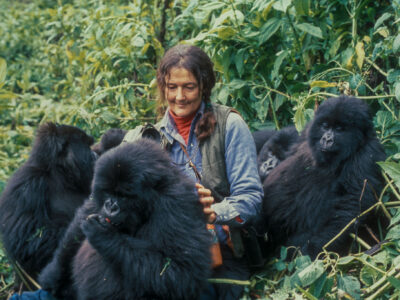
(246, 192)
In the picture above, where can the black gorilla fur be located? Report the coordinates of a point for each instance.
(41, 197)
(261, 137)
(314, 193)
(145, 231)
(110, 139)
(276, 149)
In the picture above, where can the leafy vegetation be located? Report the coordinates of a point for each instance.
(92, 64)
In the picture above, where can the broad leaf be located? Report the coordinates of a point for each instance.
(311, 29)
(394, 281)
(269, 29)
(382, 19)
(3, 70)
(396, 43)
(311, 273)
(393, 170)
(350, 285)
(360, 54)
(282, 5)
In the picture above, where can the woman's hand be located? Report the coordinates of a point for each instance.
(206, 199)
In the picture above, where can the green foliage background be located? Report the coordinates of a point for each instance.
(92, 64)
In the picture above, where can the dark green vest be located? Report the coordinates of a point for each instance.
(212, 150)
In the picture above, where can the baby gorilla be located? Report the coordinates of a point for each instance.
(144, 229)
(110, 139)
(276, 149)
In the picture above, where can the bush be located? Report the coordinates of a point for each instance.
(92, 64)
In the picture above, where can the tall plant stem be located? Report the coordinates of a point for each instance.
(354, 23)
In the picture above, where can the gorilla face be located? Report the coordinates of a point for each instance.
(125, 213)
(125, 190)
(270, 162)
(336, 134)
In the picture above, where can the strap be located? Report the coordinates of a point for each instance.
(191, 164)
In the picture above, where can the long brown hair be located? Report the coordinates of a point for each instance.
(196, 61)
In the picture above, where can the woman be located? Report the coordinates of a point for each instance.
(213, 145)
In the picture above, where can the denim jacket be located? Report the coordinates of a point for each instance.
(241, 162)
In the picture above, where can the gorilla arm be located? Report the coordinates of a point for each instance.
(56, 276)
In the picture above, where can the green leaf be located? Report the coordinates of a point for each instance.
(334, 48)
(283, 253)
(280, 266)
(235, 16)
(397, 90)
(395, 219)
(302, 7)
(393, 170)
(350, 285)
(8, 95)
(394, 233)
(226, 32)
(213, 6)
(382, 19)
(223, 95)
(3, 70)
(347, 57)
(299, 119)
(239, 61)
(108, 117)
(396, 43)
(269, 29)
(368, 275)
(322, 286)
(395, 282)
(311, 273)
(237, 84)
(393, 75)
(278, 62)
(302, 262)
(345, 260)
(310, 29)
(282, 5)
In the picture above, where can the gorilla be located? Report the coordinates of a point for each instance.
(279, 146)
(141, 234)
(40, 199)
(110, 139)
(261, 137)
(315, 192)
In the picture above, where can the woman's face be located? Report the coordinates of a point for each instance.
(182, 92)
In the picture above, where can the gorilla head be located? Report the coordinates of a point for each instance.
(340, 128)
(276, 149)
(127, 188)
(65, 149)
(110, 139)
